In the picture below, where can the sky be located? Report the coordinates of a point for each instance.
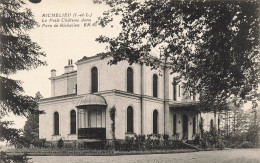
(61, 43)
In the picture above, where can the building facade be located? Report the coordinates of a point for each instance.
(146, 101)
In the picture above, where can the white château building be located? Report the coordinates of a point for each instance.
(146, 102)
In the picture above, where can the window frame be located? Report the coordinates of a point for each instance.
(130, 119)
(155, 85)
(130, 80)
(94, 79)
(73, 124)
(155, 121)
(174, 85)
(56, 123)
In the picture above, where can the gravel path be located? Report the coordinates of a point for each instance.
(223, 156)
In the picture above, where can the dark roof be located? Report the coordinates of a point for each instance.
(91, 100)
(85, 58)
(58, 97)
(103, 55)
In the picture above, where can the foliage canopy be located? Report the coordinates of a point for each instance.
(18, 52)
(212, 45)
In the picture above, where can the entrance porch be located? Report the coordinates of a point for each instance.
(92, 117)
(184, 120)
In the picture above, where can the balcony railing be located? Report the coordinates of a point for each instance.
(92, 133)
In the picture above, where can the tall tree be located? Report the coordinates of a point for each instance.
(31, 127)
(212, 45)
(18, 52)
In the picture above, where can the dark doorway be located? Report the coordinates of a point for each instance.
(185, 127)
(174, 124)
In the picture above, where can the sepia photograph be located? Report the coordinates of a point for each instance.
(130, 81)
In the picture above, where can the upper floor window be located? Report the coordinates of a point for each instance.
(94, 80)
(130, 80)
(155, 122)
(155, 85)
(72, 122)
(56, 123)
(130, 119)
(174, 91)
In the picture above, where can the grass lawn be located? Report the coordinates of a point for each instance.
(86, 152)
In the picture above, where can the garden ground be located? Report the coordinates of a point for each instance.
(223, 156)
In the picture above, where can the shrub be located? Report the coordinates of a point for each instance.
(70, 145)
(165, 137)
(112, 114)
(197, 139)
(129, 143)
(205, 144)
(211, 139)
(220, 145)
(139, 141)
(13, 158)
(39, 142)
(149, 142)
(60, 143)
(246, 144)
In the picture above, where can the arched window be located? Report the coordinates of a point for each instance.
(94, 80)
(155, 122)
(194, 126)
(130, 80)
(56, 123)
(72, 122)
(155, 85)
(130, 119)
(174, 124)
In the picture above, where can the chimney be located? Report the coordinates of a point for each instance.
(53, 73)
(69, 67)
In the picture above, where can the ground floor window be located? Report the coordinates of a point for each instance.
(56, 123)
(72, 122)
(130, 118)
(155, 122)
